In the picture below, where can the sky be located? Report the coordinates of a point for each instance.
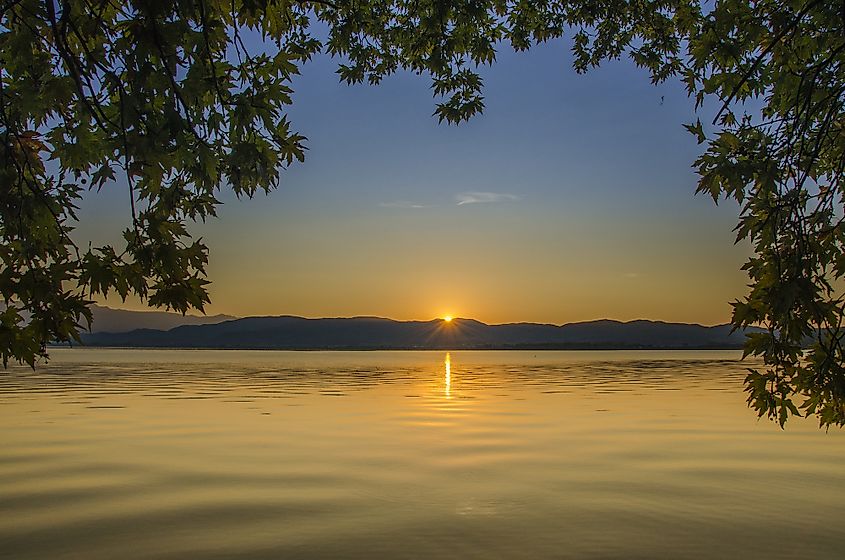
(571, 198)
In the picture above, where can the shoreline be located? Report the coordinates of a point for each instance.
(534, 348)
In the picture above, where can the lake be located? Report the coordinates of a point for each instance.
(235, 454)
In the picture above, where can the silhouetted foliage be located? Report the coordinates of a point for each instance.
(167, 94)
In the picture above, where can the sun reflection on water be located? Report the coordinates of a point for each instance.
(448, 364)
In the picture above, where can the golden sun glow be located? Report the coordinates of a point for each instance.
(448, 318)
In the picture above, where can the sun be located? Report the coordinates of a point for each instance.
(448, 318)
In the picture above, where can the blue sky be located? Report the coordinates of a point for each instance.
(570, 198)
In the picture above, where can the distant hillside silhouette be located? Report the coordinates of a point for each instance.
(287, 332)
(107, 319)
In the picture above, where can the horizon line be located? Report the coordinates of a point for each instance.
(441, 319)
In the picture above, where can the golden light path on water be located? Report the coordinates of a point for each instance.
(448, 364)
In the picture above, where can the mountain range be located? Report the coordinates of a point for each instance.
(107, 319)
(289, 332)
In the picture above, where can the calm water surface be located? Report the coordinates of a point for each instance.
(204, 454)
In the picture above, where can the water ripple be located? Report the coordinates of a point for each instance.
(174, 454)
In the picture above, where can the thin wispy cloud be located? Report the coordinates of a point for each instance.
(405, 204)
(631, 275)
(477, 197)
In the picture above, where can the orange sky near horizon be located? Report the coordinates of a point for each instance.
(686, 280)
